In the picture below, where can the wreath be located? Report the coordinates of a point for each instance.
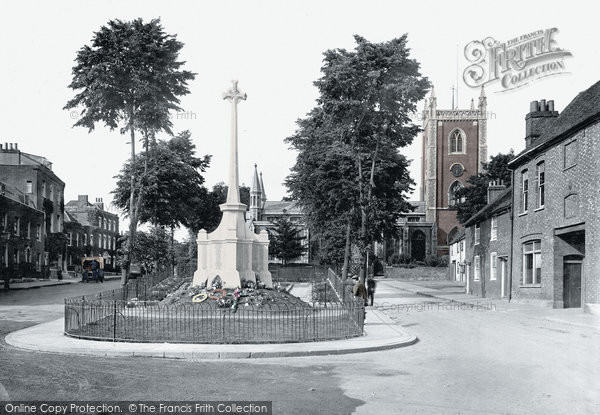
(213, 294)
(198, 298)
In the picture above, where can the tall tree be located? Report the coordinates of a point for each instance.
(362, 119)
(475, 195)
(129, 77)
(285, 240)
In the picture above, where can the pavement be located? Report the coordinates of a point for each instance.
(455, 293)
(39, 283)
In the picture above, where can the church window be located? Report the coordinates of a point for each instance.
(453, 198)
(457, 142)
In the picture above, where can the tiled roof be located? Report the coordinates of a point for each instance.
(502, 201)
(461, 235)
(278, 207)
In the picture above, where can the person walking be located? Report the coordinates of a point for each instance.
(359, 289)
(371, 290)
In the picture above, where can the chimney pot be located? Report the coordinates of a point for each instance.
(11, 146)
(16, 146)
(542, 105)
(551, 105)
(533, 106)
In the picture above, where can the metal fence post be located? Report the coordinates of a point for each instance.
(114, 320)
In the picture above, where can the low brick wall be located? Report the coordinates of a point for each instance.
(417, 273)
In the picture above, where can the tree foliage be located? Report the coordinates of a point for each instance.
(348, 171)
(285, 241)
(153, 249)
(130, 77)
(207, 213)
(475, 195)
(172, 185)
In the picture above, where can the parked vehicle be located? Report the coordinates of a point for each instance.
(93, 269)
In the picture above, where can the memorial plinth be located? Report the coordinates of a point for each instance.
(233, 252)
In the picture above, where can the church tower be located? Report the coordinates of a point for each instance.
(454, 146)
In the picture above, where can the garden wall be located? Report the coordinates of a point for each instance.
(417, 273)
(293, 273)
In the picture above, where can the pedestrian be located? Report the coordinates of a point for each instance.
(371, 289)
(95, 270)
(359, 289)
(83, 274)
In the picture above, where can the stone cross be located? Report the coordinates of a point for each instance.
(234, 96)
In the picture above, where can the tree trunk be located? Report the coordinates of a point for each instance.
(347, 251)
(369, 246)
(172, 254)
(363, 219)
(132, 218)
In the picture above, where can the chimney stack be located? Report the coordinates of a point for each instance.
(99, 203)
(540, 115)
(495, 189)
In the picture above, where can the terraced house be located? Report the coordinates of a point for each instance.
(31, 181)
(556, 203)
(92, 231)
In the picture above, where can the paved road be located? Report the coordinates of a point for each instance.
(466, 362)
(54, 294)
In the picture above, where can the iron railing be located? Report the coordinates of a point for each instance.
(107, 316)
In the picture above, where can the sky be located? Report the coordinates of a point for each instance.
(275, 50)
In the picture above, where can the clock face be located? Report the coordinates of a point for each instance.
(457, 170)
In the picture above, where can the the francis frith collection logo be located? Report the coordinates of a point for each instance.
(516, 62)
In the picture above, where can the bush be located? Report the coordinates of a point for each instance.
(435, 261)
(397, 259)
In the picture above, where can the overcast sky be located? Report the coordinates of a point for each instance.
(275, 50)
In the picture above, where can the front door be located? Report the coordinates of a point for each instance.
(572, 284)
(417, 249)
(503, 278)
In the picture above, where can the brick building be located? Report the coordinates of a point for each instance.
(75, 233)
(556, 240)
(488, 245)
(454, 146)
(98, 229)
(32, 177)
(21, 235)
